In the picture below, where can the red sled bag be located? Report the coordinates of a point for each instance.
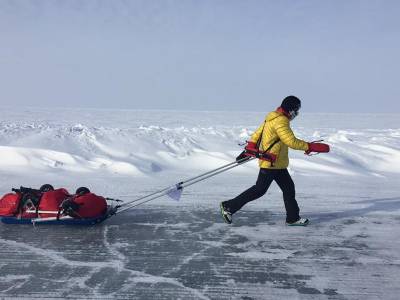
(89, 205)
(51, 202)
(9, 204)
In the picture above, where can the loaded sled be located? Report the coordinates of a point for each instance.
(54, 206)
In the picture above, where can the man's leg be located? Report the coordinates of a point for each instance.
(265, 177)
(286, 184)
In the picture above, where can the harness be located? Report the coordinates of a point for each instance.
(265, 154)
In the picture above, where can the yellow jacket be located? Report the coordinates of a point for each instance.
(276, 127)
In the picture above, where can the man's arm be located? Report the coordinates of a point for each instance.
(287, 136)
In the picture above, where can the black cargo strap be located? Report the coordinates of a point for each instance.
(260, 139)
(272, 145)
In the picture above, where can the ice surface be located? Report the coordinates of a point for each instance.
(183, 250)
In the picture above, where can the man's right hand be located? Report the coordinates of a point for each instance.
(251, 149)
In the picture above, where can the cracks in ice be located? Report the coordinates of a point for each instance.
(16, 280)
(118, 263)
(58, 258)
(209, 246)
(141, 277)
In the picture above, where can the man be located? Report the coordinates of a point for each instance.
(270, 143)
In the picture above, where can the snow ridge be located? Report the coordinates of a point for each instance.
(140, 149)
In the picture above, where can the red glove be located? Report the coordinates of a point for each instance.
(251, 149)
(317, 147)
(251, 146)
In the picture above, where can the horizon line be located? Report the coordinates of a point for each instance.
(180, 110)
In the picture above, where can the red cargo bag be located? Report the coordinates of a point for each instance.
(51, 201)
(90, 205)
(9, 204)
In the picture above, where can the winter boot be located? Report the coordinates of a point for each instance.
(225, 213)
(299, 222)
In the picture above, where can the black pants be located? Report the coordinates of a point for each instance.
(264, 180)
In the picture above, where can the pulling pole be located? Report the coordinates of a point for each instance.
(168, 189)
(188, 182)
(216, 172)
(235, 163)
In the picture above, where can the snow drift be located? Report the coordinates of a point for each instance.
(136, 143)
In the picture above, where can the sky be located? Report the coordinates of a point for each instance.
(336, 56)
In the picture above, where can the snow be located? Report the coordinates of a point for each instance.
(168, 249)
(131, 147)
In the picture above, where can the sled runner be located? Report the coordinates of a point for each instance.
(54, 221)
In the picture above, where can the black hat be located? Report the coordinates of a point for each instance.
(291, 105)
